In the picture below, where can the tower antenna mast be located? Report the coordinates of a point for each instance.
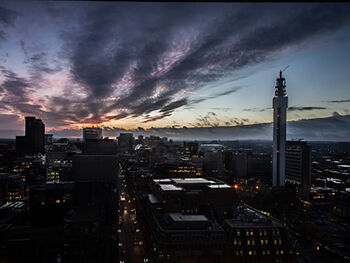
(283, 71)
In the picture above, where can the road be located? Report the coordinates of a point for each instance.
(129, 251)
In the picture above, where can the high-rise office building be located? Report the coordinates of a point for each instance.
(280, 104)
(92, 134)
(89, 230)
(126, 141)
(298, 163)
(34, 139)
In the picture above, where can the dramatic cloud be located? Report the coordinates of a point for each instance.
(222, 109)
(305, 108)
(338, 101)
(128, 60)
(257, 109)
(292, 108)
(7, 19)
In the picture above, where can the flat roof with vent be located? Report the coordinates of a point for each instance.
(178, 217)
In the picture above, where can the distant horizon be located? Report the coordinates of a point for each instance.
(318, 129)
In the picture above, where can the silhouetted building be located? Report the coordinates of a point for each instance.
(100, 147)
(190, 148)
(89, 226)
(280, 104)
(34, 139)
(213, 163)
(92, 134)
(126, 141)
(342, 204)
(298, 163)
(48, 139)
(139, 140)
(50, 202)
(343, 147)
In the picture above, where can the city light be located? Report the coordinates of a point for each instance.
(161, 132)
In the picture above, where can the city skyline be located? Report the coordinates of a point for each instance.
(173, 67)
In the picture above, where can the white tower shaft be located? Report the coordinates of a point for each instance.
(280, 104)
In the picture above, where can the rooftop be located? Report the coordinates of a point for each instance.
(192, 181)
(170, 187)
(178, 217)
(251, 217)
(160, 181)
(219, 186)
(153, 199)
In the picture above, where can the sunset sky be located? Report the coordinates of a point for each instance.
(169, 65)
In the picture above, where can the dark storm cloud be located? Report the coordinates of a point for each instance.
(305, 108)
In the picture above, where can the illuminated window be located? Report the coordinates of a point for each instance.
(275, 241)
